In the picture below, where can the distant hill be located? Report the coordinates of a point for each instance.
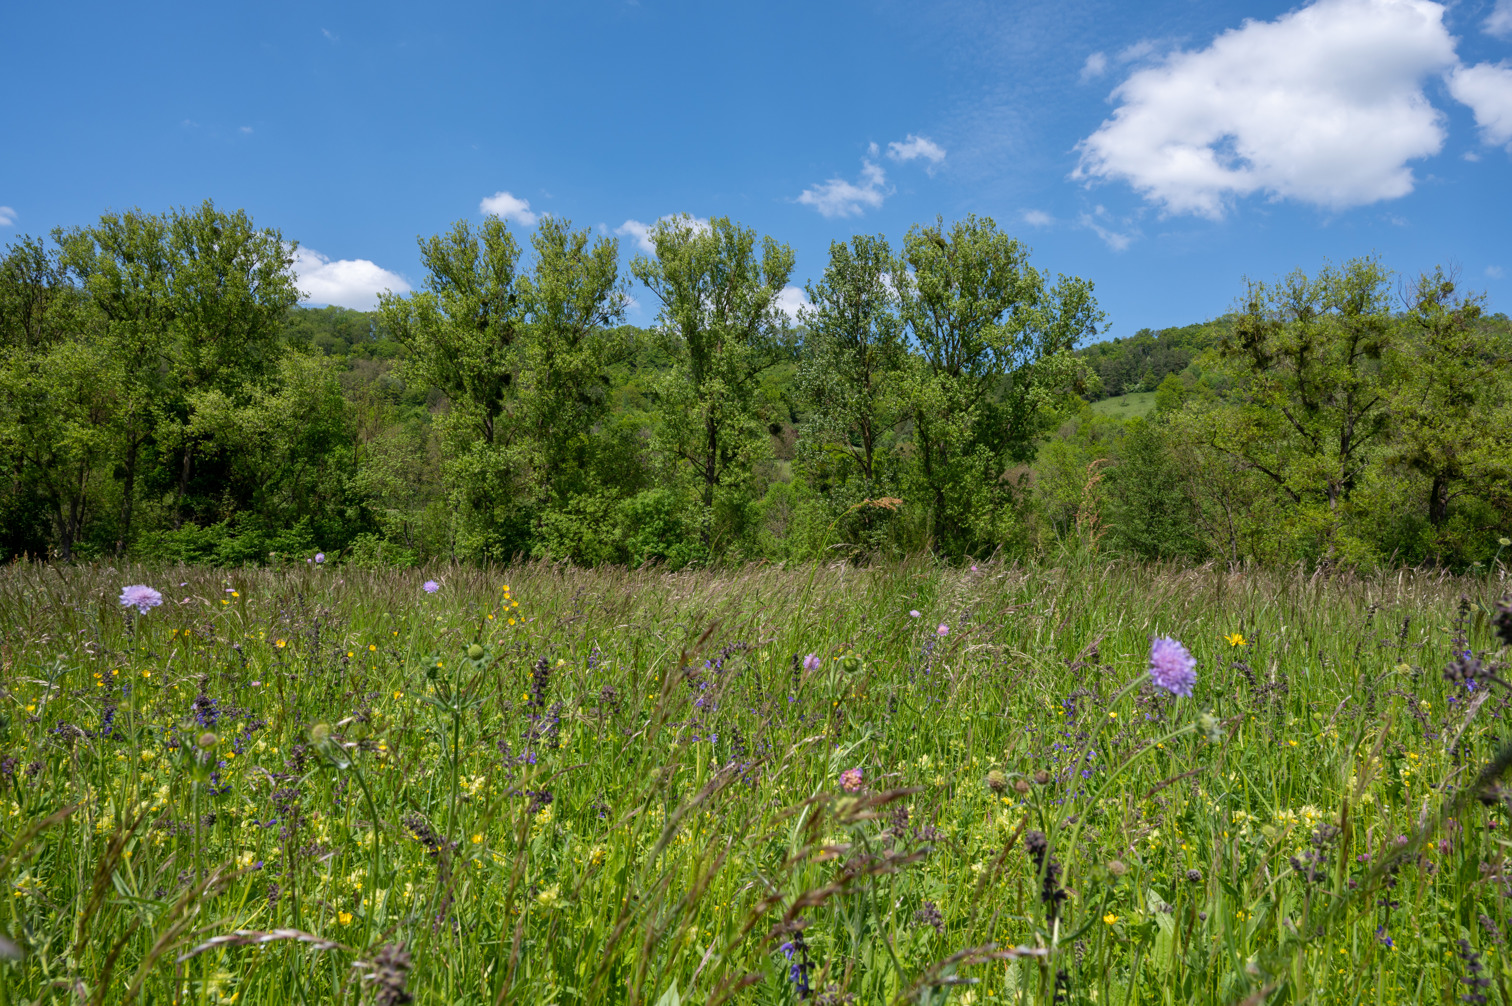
(1140, 362)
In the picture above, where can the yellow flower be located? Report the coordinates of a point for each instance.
(477, 838)
(372, 647)
(345, 918)
(550, 897)
(1234, 639)
(280, 643)
(1110, 918)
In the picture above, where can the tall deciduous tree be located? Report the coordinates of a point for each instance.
(995, 343)
(722, 325)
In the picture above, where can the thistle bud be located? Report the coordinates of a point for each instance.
(997, 781)
(1117, 868)
(1042, 777)
(1020, 787)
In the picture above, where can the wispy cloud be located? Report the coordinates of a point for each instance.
(1494, 271)
(330, 35)
(7, 216)
(1095, 66)
(354, 283)
(1324, 105)
(839, 197)
(913, 147)
(508, 207)
(1037, 218)
(1499, 21)
(1102, 223)
(640, 232)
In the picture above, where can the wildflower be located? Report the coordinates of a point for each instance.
(280, 643)
(997, 781)
(942, 630)
(345, 918)
(430, 586)
(1172, 667)
(140, 597)
(319, 558)
(850, 780)
(1235, 639)
(913, 614)
(811, 662)
(550, 897)
(1110, 918)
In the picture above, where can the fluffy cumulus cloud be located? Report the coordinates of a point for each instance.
(1324, 105)
(791, 300)
(1487, 89)
(354, 283)
(1499, 21)
(509, 207)
(7, 217)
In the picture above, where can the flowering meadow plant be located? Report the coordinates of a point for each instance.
(770, 785)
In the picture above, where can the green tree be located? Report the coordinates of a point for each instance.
(721, 325)
(189, 300)
(995, 342)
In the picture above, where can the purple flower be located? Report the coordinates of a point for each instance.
(319, 558)
(850, 780)
(141, 598)
(1172, 667)
(942, 630)
(811, 662)
(430, 586)
(913, 614)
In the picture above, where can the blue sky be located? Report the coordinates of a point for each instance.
(1164, 150)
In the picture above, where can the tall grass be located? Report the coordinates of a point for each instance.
(324, 785)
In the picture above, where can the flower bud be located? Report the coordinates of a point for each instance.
(1042, 777)
(475, 652)
(207, 740)
(1117, 868)
(320, 733)
(1020, 787)
(1194, 876)
(997, 781)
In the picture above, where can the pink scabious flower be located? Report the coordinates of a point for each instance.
(1172, 667)
(811, 662)
(943, 630)
(850, 780)
(142, 598)
(430, 586)
(319, 558)
(913, 614)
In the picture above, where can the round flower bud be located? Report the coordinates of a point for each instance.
(1194, 876)
(997, 781)
(1042, 777)
(1020, 787)
(207, 740)
(475, 652)
(1117, 868)
(320, 733)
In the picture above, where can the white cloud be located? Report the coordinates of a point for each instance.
(1101, 223)
(641, 232)
(1095, 66)
(1494, 271)
(7, 217)
(913, 147)
(1324, 105)
(246, 129)
(1499, 21)
(508, 207)
(354, 283)
(1037, 218)
(1487, 89)
(330, 35)
(791, 300)
(840, 198)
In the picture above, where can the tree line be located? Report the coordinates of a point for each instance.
(162, 397)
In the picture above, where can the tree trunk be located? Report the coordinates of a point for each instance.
(128, 492)
(183, 486)
(1438, 501)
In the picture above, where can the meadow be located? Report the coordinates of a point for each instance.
(907, 782)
